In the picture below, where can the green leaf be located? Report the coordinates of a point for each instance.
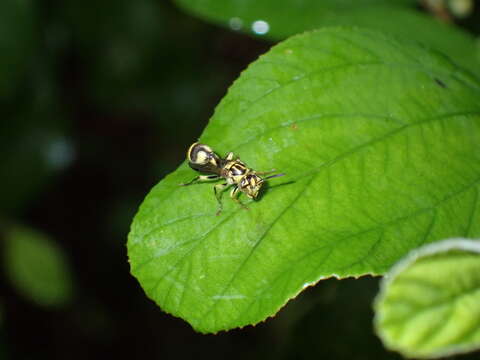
(37, 267)
(378, 139)
(429, 303)
(286, 18)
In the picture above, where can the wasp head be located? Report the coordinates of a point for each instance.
(250, 185)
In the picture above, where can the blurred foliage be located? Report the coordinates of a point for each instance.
(137, 58)
(278, 19)
(429, 303)
(33, 128)
(34, 143)
(37, 267)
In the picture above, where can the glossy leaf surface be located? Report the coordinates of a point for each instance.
(379, 142)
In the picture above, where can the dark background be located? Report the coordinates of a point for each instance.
(107, 98)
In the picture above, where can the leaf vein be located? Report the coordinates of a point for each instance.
(386, 136)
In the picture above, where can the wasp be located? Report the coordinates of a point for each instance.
(235, 172)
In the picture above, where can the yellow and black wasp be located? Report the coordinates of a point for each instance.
(202, 159)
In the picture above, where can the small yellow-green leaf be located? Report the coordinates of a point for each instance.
(37, 267)
(429, 303)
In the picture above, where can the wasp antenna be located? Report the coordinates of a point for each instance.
(274, 176)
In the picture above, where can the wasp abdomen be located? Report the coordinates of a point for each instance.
(202, 158)
(199, 154)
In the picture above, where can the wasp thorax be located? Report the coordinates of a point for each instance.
(238, 169)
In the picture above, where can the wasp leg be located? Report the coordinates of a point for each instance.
(234, 195)
(201, 178)
(229, 156)
(218, 189)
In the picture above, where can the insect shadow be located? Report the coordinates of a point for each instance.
(267, 187)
